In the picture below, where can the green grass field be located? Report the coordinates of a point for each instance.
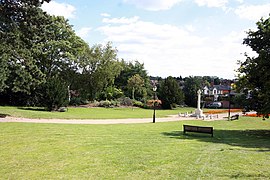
(239, 150)
(89, 113)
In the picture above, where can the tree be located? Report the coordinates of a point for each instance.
(20, 22)
(61, 51)
(136, 83)
(170, 93)
(191, 86)
(3, 69)
(254, 74)
(35, 47)
(56, 93)
(100, 67)
(130, 69)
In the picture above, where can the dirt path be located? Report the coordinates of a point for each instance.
(109, 121)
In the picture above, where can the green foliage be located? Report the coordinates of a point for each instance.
(35, 47)
(56, 94)
(125, 101)
(254, 75)
(170, 93)
(136, 84)
(59, 54)
(191, 86)
(129, 70)
(21, 25)
(105, 104)
(76, 101)
(110, 93)
(138, 104)
(3, 69)
(100, 67)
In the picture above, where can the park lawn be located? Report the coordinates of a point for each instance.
(89, 113)
(239, 149)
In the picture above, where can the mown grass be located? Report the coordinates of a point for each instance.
(88, 113)
(239, 149)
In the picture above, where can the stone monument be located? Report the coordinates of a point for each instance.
(198, 111)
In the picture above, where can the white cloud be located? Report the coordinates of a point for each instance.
(212, 3)
(153, 5)
(240, 1)
(190, 28)
(105, 15)
(83, 32)
(59, 9)
(122, 20)
(253, 12)
(171, 50)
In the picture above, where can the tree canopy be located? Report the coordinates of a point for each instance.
(254, 75)
(170, 93)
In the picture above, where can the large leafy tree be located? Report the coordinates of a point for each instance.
(61, 50)
(191, 86)
(35, 47)
(20, 22)
(130, 69)
(254, 74)
(170, 93)
(136, 84)
(99, 67)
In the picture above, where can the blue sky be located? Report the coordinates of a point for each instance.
(171, 37)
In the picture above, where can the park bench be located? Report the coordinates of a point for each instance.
(198, 129)
(235, 117)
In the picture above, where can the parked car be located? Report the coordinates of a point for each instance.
(214, 105)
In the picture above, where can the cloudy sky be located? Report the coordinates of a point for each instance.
(171, 37)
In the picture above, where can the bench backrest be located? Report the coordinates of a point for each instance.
(201, 129)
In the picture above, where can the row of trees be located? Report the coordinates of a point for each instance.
(44, 63)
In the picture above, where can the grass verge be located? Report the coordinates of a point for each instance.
(239, 149)
(88, 113)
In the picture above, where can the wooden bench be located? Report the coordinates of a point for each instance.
(234, 117)
(198, 129)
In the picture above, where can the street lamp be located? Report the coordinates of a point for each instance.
(154, 114)
(229, 112)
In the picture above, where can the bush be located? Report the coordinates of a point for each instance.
(115, 103)
(105, 104)
(76, 101)
(125, 101)
(55, 94)
(138, 104)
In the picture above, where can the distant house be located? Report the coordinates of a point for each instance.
(216, 91)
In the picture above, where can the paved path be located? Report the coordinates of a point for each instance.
(108, 121)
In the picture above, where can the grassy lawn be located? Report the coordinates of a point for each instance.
(89, 113)
(239, 149)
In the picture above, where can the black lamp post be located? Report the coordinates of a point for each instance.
(229, 112)
(154, 114)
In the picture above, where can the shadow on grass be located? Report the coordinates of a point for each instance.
(32, 108)
(256, 138)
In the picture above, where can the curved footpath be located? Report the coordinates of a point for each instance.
(110, 121)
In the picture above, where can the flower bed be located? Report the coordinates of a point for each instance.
(254, 115)
(218, 111)
(251, 115)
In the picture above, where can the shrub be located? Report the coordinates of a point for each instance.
(138, 104)
(115, 103)
(105, 104)
(55, 94)
(125, 101)
(76, 101)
